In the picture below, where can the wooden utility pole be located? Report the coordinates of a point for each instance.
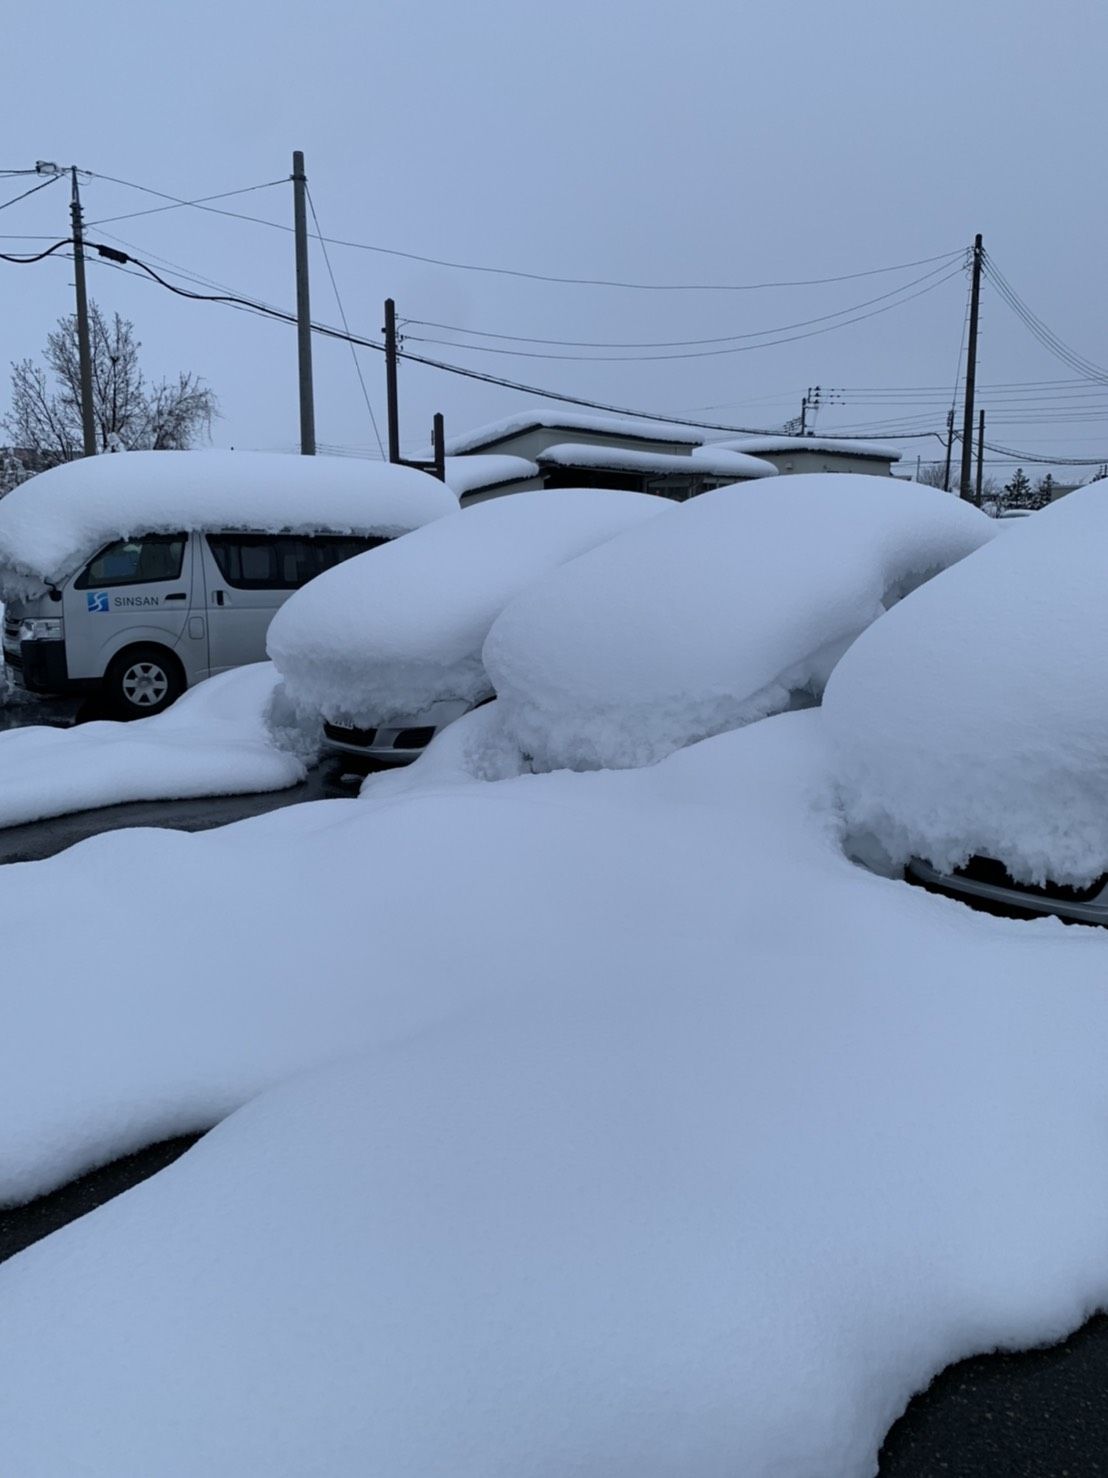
(303, 306)
(438, 442)
(949, 446)
(84, 348)
(980, 455)
(390, 380)
(964, 488)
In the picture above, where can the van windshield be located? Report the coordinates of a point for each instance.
(139, 561)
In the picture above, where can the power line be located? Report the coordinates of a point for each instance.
(701, 353)
(663, 343)
(200, 204)
(34, 188)
(346, 326)
(176, 203)
(37, 256)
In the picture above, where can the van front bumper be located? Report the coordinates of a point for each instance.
(40, 667)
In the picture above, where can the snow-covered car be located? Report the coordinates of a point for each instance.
(970, 725)
(138, 576)
(386, 648)
(985, 883)
(735, 607)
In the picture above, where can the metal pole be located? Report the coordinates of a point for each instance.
(438, 441)
(390, 380)
(949, 446)
(964, 487)
(980, 456)
(84, 348)
(303, 306)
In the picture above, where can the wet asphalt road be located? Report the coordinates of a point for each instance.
(1038, 1414)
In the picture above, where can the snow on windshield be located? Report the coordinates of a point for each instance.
(54, 521)
(973, 719)
(389, 633)
(736, 606)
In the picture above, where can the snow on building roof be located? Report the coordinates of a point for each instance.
(559, 420)
(53, 522)
(758, 446)
(476, 472)
(709, 462)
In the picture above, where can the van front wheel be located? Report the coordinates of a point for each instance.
(143, 681)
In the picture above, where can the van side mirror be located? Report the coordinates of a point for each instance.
(55, 593)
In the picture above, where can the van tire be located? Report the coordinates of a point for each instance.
(142, 681)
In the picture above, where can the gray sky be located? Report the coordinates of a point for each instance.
(692, 143)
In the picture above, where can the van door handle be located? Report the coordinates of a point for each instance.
(177, 595)
(217, 597)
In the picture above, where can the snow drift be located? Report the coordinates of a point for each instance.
(53, 522)
(387, 634)
(732, 608)
(974, 718)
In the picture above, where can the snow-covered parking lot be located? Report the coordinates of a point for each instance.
(581, 1105)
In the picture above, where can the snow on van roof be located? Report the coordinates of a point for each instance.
(708, 461)
(54, 521)
(627, 426)
(760, 446)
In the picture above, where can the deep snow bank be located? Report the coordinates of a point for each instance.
(715, 616)
(213, 741)
(635, 1168)
(389, 633)
(974, 718)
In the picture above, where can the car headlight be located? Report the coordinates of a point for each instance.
(46, 630)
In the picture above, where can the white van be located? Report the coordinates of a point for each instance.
(141, 574)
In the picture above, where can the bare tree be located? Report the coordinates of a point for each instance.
(45, 417)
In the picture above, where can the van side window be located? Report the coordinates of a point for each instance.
(141, 561)
(281, 561)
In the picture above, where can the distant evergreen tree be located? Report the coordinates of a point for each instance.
(1018, 493)
(1044, 491)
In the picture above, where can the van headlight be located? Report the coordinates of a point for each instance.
(45, 630)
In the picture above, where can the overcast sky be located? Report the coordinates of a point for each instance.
(701, 142)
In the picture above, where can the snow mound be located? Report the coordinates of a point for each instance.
(736, 606)
(387, 634)
(624, 1173)
(53, 522)
(213, 741)
(974, 719)
(473, 473)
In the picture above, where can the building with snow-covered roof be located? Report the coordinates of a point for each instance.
(814, 453)
(557, 449)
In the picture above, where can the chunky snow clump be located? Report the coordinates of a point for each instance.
(735, 607)
(390, 633)
(974, 718)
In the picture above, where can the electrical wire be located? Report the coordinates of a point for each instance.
(346, 326)
(37, 256)
(694, 354)
(1039, 330)
(176, 203)
(33, 190)
(200, 204)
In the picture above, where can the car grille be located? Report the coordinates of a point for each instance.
(988, 870)
(342, 734)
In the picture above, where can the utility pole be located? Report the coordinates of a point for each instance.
(390, 380)
(980, 456)
(949, 446)
(303, 306)
(84, 348)
(438, 442)
(964, 488)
